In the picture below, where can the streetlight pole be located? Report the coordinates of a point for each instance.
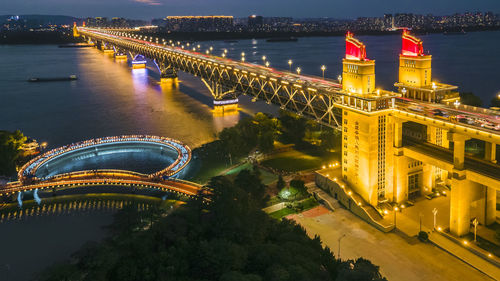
(395, 211)
(290, 62)
(420, 220)
(298, 70)
(340, 238)
(475, 222)
(434, 212)
(323, 68)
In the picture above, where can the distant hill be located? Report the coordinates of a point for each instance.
(33, 20)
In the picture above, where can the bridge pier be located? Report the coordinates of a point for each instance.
(20, 196)
(36, 197)
(138, 62)
(428, 178)
(470, 200)
(225, 99)
(120, 55)
(490, 152)
(167, 72)
(458, 149)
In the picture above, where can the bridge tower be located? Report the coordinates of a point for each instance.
(358, 72)
(75, 30)
(415, 74)
(367, 126)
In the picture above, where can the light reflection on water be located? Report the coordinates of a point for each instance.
(37, 236)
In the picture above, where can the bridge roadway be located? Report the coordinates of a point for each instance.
(176, 186)
(317, 98)
(105, 177)
(478, 170)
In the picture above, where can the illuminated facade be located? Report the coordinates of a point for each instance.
(415, 74)
(358, 72)
(366, 134)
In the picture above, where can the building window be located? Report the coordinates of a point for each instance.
(382, 124)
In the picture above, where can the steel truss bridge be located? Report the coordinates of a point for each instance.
(319, 99)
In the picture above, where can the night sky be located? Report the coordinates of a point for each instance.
(147, 9)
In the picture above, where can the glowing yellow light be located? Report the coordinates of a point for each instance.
(350, 193)
(386, 212)
(396, 208)
(439, 228)
(465, 242)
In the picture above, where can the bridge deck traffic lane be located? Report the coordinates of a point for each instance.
(426, 150)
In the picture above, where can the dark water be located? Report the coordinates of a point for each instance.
(145, 158)
(111, 99)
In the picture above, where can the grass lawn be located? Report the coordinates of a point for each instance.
(297, 160)
(304, 205)
(266, 176)
(309, 203)
(282, 213)
(209, 170)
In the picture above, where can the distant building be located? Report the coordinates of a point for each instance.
(255, 21)
(119, 22)
(199, 23)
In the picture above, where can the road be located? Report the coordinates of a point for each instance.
(400, 257)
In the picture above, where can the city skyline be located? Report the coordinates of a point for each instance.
(147, 9)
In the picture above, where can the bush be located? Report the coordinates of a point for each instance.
(423, 236)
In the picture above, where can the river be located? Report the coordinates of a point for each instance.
(111, 99)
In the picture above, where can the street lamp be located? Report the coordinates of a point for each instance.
(264, 58)
(340, 79)
(290, 62)
(298, 70)
(267, 64)
(475, 222)
(323, 68)
(340, 238)
(396, 209)
(243, 59)
(434, 212)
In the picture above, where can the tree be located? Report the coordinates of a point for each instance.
(469, 98)
(495, 102)
(280, 184)
(359, 270)
(226, 237)
(293, 127)
(330, 139)
(10, 150)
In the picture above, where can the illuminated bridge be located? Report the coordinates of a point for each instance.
(33, 176)
(380, 162)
